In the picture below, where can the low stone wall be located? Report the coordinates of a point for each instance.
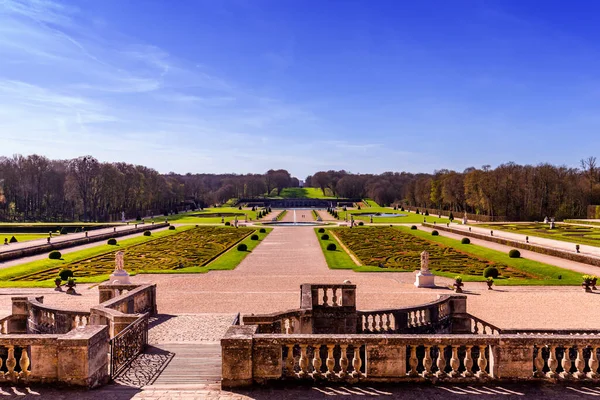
(521, 245)
(250, 358)
(434, 212)
(47, 320)
(46, 248)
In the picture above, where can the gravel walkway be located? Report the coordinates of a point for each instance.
(185, 328)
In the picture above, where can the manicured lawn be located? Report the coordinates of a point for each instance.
(402, 217)
(337, 259)
(589, 235)
(583, 221)
(184, 250)
(398, 249)
(21, 237)
(212, 216)
(305, 193)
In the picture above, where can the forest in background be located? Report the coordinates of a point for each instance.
(35, 188)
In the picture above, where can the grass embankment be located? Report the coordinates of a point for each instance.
(588, 235)
(281, 215)
(545, 274)
(582, 221)
(22, 237)
(403, 217)
(304, 193)
(213, 216)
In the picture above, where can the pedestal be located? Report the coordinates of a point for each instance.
(425, 279)
(120, 277)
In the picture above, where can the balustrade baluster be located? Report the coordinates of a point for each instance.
(427, 362)
(11, 363)
(24, 364)
(378, 322)
(364, 323)
(325, 298)
(334, 299)
(303, 362)
(565, 363)
(482, 362)
(468, 361)
(539, 363)
(579, 363)
(343, 361)
(441, 363)
(552, 363)
(593, 364)
(389, 326)
(413, 361)
(289, 361)
(3, 328)
(356, 362)
(317, 361)
(411, 318)
(475, 327)
(330, 362)
(454, 362)
(370, 320)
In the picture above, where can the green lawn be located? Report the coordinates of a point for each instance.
(22, 237)
(305, 193)
(407, 218)
(583, 221)
(212, 216)
(537, 273)
(589, 235)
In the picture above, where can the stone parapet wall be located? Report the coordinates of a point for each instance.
(573, 256)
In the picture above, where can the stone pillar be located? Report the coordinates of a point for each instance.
(83, 357)
(512, 359)
(349, 296)
(385, 361)
(43, 360)
(266, 361)
(461, 322)
(236, 351)
(20, 312)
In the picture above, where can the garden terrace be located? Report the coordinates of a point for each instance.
(392, 249)
(191, 248)
(589, 235)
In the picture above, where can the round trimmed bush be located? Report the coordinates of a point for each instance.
(65, 274)
(321, 230)
(227, 223)
(147, 233)
(325, 237)
(414, 227)
(111, 241)
(465, 241)
(262, 230)
(54, 255)
(435, 233)
(491, 272)
(331, 247)
(360, 223)
(172, 228)
(242, 247)
(254, 237)
(514, 253)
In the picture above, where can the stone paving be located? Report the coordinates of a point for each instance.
(186, 328)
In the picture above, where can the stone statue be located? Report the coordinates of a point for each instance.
(424, 261)
(119, 261)
(546, 220)
(465, 218)
(122, 216)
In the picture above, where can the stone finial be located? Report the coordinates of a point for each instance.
(424, 261)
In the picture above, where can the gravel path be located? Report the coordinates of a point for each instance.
(186, 328)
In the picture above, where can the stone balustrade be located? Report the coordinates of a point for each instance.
(250, 357)
(45, 319)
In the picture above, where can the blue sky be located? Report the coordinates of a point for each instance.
(248, 85)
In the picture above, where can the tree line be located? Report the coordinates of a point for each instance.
(516, 192)
(35, 188)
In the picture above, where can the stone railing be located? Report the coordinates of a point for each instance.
(121, 305)
(481, 327)
(428, 318)
(250, 358)
(77, 358)
(47, 320)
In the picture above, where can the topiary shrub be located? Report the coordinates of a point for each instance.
(242, 247)
(171, 228)
(331, 247)
(426, 213)
(111, 241)
(514, 253)
(465, 241)
(321, 230)
(360, 223)
(65, 274)
(254, 237)
(147, 233)
(13, 240)
(227, 223)
(414, 227)
(54, 255)
(325, 237)
(435, 233)
(262, 230)
(491, 272)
